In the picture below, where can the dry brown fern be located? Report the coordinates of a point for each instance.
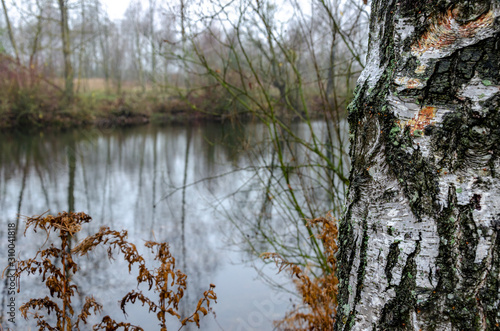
(165, 281)
(319, 294)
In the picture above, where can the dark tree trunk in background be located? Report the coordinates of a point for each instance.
(9, 30)
(68, 68)
(419, 241)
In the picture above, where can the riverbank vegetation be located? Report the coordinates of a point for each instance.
(30, 101)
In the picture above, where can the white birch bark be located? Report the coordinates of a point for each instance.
(419, 241)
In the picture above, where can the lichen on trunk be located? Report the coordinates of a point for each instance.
(419, 240)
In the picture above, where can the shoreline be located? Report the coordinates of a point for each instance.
(123, 113)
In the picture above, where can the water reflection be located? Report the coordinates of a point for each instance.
(175, 184)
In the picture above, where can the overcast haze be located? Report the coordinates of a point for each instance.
(116, 8)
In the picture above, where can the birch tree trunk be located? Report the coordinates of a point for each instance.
(419, 241)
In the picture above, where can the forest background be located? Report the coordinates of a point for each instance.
(67, 63)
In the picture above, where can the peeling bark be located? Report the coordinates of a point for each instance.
(419, 241)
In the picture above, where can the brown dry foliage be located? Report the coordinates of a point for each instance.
(319, 294)
(166, 281)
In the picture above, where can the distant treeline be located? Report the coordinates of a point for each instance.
(67, 63)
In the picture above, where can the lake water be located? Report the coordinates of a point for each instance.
(208, 190)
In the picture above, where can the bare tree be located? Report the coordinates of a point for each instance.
(133, 28)
(66, 41)
(9, 30)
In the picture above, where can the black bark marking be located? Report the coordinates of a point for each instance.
(345, 261)
(361, 272)
(392, 260)
(396, 314)
(471, 10)
(475, 201)
(489, 295)
(386, 48)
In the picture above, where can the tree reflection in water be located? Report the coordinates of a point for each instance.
(199, 188)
